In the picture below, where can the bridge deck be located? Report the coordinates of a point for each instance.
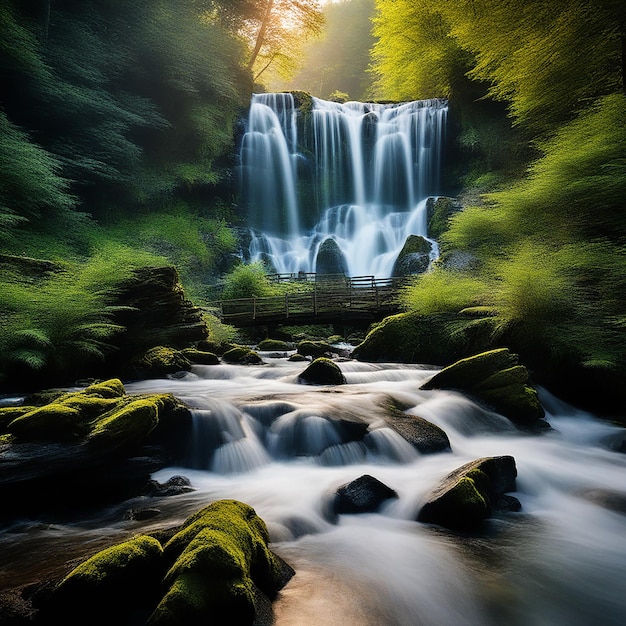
(327, 299)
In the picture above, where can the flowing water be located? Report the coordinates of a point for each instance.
(356, 173)
(262, 438)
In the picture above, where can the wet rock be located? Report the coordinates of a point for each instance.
(140, 515)
(414, 258)
(423, 435)
(330, 259)
(315, 348)
(174, 486)
(498, 380)
(297, 358)
(438, 212)
(322, 371)
(241, 355)
(471, 493)
(274, 344)
(363, 495)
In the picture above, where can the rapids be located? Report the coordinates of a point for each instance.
(266, 440)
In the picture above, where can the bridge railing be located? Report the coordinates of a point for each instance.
(359, 295)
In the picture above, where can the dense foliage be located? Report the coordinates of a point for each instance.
(544, 252)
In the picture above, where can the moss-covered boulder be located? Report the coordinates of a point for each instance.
(436, 339)
(112, 388)
(160, 361)
(314, 349)
(114, 583)
(9, 413)
(497, 379)
(273, 344)
(52, 423)
(216, 562)
(322, 371)
(200, 357)
(298, 358)
(242, 355)
(414, 258)
(125, 426)
(471, 493)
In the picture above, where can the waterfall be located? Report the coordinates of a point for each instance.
(358, 174)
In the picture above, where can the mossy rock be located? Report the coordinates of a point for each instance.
(438, 213)
(217, 559)
(335, 339)
(51, 423)
(215, 347)
(273, 344)
(498, 380)
(241, 355)
(314, 349)
(414, 258)
(112, 388)
(9, 413)
(323, 371)
(125, 426)
(470, 494)
(88, 406)
(200, 357)
(437, 339)
(109, 586)
(299, 358)
(160, 361)
(330, 259)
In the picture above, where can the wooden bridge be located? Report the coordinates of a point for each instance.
(322, 299)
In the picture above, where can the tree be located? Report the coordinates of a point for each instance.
(277, 29)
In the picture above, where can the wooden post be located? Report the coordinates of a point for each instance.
(287, 305)
(254, 308)
(315, 300)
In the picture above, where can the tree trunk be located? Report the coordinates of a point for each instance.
(260, 39)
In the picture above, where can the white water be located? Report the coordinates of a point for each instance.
(268, 441)
(371, 166)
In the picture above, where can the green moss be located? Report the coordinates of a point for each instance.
(161, 361)
(314, 348)
(112, 388)
(88, 406)
(518, 374)
(335, 339)
(53, 422)
(323, 371)
(200, 357)
(216, 557)
(241, 354)
(128, 425)
(273, 344)
(9, 413)
(110, 585)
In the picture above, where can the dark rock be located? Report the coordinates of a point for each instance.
(322, 371)
(414, 258)
(139, 515)
(330, 259)
(363, 495)
(175, 486)
(423, 435)
(470, 494)
(498, 380)
(297, 357)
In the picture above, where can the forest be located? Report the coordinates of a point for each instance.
(119, 125)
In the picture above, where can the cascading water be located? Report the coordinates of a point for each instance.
(284, 448)
(364, 171)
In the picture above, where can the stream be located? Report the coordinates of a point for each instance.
(264, 439)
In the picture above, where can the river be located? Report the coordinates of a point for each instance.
(561, 560)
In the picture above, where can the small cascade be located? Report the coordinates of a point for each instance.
(369, 169)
